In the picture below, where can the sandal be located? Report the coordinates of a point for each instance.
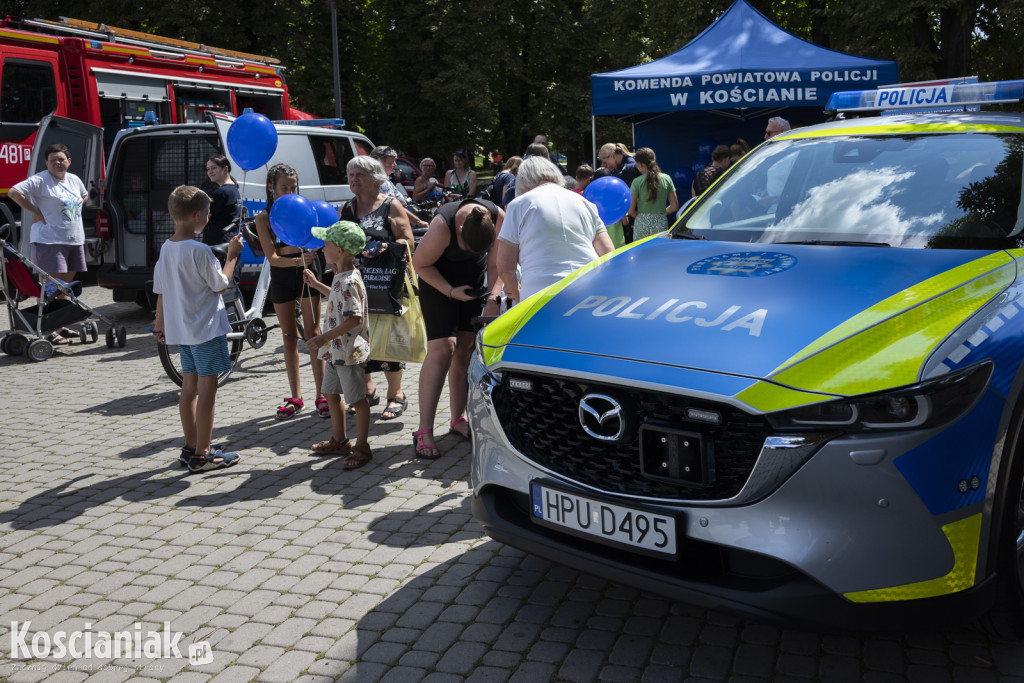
(187, 453)
(396, 413)
(290, 407)
(57, 340)
(372, 400)
(211, 461)
(323, 409)
(360, 456)
(332, 447)
(425, 451)
(452, 428)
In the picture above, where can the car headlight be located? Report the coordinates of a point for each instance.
(478, 350)
(928, 404)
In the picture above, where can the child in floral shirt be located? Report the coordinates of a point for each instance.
(344, 343)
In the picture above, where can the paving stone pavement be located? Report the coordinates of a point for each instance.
(292, 569)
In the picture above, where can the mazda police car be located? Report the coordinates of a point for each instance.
(804, 401)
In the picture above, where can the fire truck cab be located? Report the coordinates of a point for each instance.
(116, 79)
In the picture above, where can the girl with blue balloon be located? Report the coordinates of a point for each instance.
(284, 229)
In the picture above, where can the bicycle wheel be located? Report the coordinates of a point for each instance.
(172, 362)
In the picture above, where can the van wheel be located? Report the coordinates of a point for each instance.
(1006, 618)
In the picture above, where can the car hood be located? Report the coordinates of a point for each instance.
(799, 316)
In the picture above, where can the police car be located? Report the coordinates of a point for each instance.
(804, 402)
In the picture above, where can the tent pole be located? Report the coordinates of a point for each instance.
(632, 128)
(593, 138)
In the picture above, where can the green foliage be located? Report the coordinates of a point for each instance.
(432, 76)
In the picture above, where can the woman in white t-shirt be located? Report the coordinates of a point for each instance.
(549, 231)
(54, 199)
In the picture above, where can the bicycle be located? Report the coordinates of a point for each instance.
(247, 325)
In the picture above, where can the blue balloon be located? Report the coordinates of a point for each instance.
(252, 140)
(313, 243)
(291, 217)
(611, 195)
(326, 215)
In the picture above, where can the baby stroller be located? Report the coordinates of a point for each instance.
(21, 279)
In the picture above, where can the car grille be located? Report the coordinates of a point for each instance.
(544, 426)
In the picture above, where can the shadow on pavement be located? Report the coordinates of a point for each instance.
(63, 503)
(136, 404)
(325, 477)
(431, 524)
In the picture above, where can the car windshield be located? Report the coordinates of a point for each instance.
(929, 191)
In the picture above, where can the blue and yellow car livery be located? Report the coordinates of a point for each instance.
(807, 407)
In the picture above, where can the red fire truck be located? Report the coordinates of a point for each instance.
(114, 78)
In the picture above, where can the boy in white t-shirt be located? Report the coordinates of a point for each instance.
(190, 312)
(344, 342)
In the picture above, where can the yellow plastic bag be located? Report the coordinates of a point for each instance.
(400, 338)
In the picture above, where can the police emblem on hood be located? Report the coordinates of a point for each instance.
(743, 264)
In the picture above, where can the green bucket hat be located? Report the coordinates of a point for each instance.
(346, 234)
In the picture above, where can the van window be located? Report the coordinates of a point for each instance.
(28, 91)
(362, 147)
(332, 155)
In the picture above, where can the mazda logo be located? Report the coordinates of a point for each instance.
(602, 417)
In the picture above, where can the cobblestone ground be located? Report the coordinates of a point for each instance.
(292, 569)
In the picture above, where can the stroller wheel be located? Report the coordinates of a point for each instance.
(39, 350)
(16, 344)
(122, 337)
(83, 334)
(3, 343)
(94, 331)
(110, 337)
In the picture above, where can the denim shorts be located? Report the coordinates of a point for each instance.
(209, 358)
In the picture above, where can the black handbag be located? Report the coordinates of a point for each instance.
(384, 278)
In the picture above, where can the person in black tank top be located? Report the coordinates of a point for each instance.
(456, 256)
(286, 286)
(385, 221)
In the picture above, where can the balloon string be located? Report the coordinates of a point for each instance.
(242, 194)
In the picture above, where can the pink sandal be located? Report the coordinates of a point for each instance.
(323, 409)
(423, 450)
(455, 423)
(290, 407)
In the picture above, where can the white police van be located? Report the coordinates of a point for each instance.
(803, 407)
(147, 163)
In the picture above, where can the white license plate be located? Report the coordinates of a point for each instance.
(604, 521)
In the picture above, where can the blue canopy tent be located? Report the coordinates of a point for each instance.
(724, 84)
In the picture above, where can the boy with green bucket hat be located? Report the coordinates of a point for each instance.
(345, 341)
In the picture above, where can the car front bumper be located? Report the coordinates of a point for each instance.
(841, 523)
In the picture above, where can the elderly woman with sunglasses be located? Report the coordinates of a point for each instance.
(425, 186)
